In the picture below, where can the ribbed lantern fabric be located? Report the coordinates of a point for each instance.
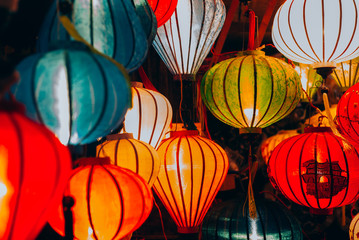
(311, 81)
(110, 202)
(346, 74)
(150, 117)
(163, 9)
(147, 18)
(317, 32)
(127, 152)
(314, 170)
(231, 220)
(112, 27)
(34, 168)
(184, 41)
(193, 171)
(79, 95)
(251, 91)
(354, 228)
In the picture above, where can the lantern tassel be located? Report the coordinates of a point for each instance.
(145, 80)
(252, 173)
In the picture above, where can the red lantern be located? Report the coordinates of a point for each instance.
(163, 9)
(314, 170)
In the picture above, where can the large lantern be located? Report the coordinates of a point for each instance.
(79, 95)
(311, 81)
(313, 169)
(231, 220)
(184, 41)
(34, 168)
(347, 74)
(110, 202)
(193, 171)
(251, 91)
(127, 152)
(354, 228)
(163, 9)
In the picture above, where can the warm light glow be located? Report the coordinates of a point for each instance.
(90, 232)
(323, 179)
(248, 112)
(254, 234)
(6, 191)
(3, 190)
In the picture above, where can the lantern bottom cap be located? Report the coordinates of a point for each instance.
(185, 77)
(325, 211)
(250, 130)
(324, 65)
(187, 230)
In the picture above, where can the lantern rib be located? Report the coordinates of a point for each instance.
(323, 31)
(343, 73)
(315, 145)
(174, 56)
(173, 65)
(191, 202)
(179, 36)
(349, 122)
(355, 79)
(164, 55)
(274, 215)
(91, 21)
(350, 73)
(88, 198)
(136, 156)
(262, 225)
(190, 38)
(152, 161)
(246, 217)
(337, 78)
(33, 90)
(139, 113)
(255, 91)
(116, 151)
(113, 29)
(357, 194)
(239, 93)
(164, 126)
(330, 171)
(340, 27)
(156, 115)
(69, 88)
(194, 64)
(129, 61)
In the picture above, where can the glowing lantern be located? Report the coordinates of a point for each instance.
(354, 228)
(184, 41)
(34, 167)
(251, 91)
(126, 152)
(84, 96)
(150, 116)
(314, 170)
(112, 27)
(193, 172)
(110, 201)
(310, 80)
(228, 220)
(346, 74)
(163, 9)
(269, 144)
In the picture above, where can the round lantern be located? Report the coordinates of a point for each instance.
(150, 116)
(193, 171)
(347, 74)
(163, 9)
(269, 144)
(110, 202)
(251, 91)
(127, 152)
(34, 168)
(79, 95)
(354, 228)
(311, 81)
(184, 41)
(317, 32)
(112, 27)
(314, 170)
(231, 220)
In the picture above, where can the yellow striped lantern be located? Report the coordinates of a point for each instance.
(347, 74)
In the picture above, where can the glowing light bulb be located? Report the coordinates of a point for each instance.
(3, 190)
(248, 112)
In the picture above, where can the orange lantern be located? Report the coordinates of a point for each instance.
(193, 171)
(127, 152)
(110, 202)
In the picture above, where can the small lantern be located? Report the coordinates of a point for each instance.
(347, 74)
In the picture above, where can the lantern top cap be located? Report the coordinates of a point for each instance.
(93, 161)
(137, 84)
(317, 129)
(119, 136)
(184, 133)
(251, 52)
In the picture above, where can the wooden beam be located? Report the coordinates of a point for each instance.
(265, 21)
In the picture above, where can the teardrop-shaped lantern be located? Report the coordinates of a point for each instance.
(112, 27)
(193, 171)
(354, 228)
(311, 81)
(251, 91)
(163, 9)
(347, 74)
(185, 40)
(110, 202)
(135, 155)
(78, 95)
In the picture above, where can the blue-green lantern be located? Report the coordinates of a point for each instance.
(78, 95)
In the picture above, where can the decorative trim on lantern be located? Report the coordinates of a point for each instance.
(119, 136)
(317, 129)
(137, 84)
(184, 133)
(256, 130)
(188, 230)
(326, 211)
(92, 161)
(185, 77)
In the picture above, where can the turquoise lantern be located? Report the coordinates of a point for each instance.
(78, 95)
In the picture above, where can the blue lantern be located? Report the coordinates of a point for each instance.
(78, 95)
(148, 19)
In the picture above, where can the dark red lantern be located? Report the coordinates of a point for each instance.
(313, 169)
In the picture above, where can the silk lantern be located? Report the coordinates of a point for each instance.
(184, 41)
(313, 169)
(150, 117)
(163, 9)
(34, 168)
(110, 202)
(193, 171)
(79, 95)
(346, 74)
(354, 228)
(112, 27)
(311, 81)
(231, 220)
(127, 152)
(251, 91)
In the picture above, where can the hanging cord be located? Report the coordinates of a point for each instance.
(180, 105)
(252, 170)
(202, 112)
(159, 211)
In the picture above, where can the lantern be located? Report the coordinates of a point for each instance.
(163, 9)
(251, 91)
(112, 27)
(34, 167)
(354, 228)
(150, 116)
(311, 81)
(84, 96)
(184, 41)
(231, 220)
(346, 74)
(193, 171)
(269, 144)
(110, 201)
(313, 169)
(127, 152)
(147, 18)
(317, 32)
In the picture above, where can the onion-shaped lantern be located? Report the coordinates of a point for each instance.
(270, 143)
(163, 9)
(313, 169)
(354, 228)
(112, 27)
(347, 74)
(184, 41)
(78, 95)
(126, 152)
(150, 117)
(193, 171)
(317, 32)
(110, 202)
(311, 81)
(231, 220)
(34, 168)
(251, 91)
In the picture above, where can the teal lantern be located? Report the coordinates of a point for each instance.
(78, 95)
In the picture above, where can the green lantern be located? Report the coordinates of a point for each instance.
(251, 91)
(311, 81)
